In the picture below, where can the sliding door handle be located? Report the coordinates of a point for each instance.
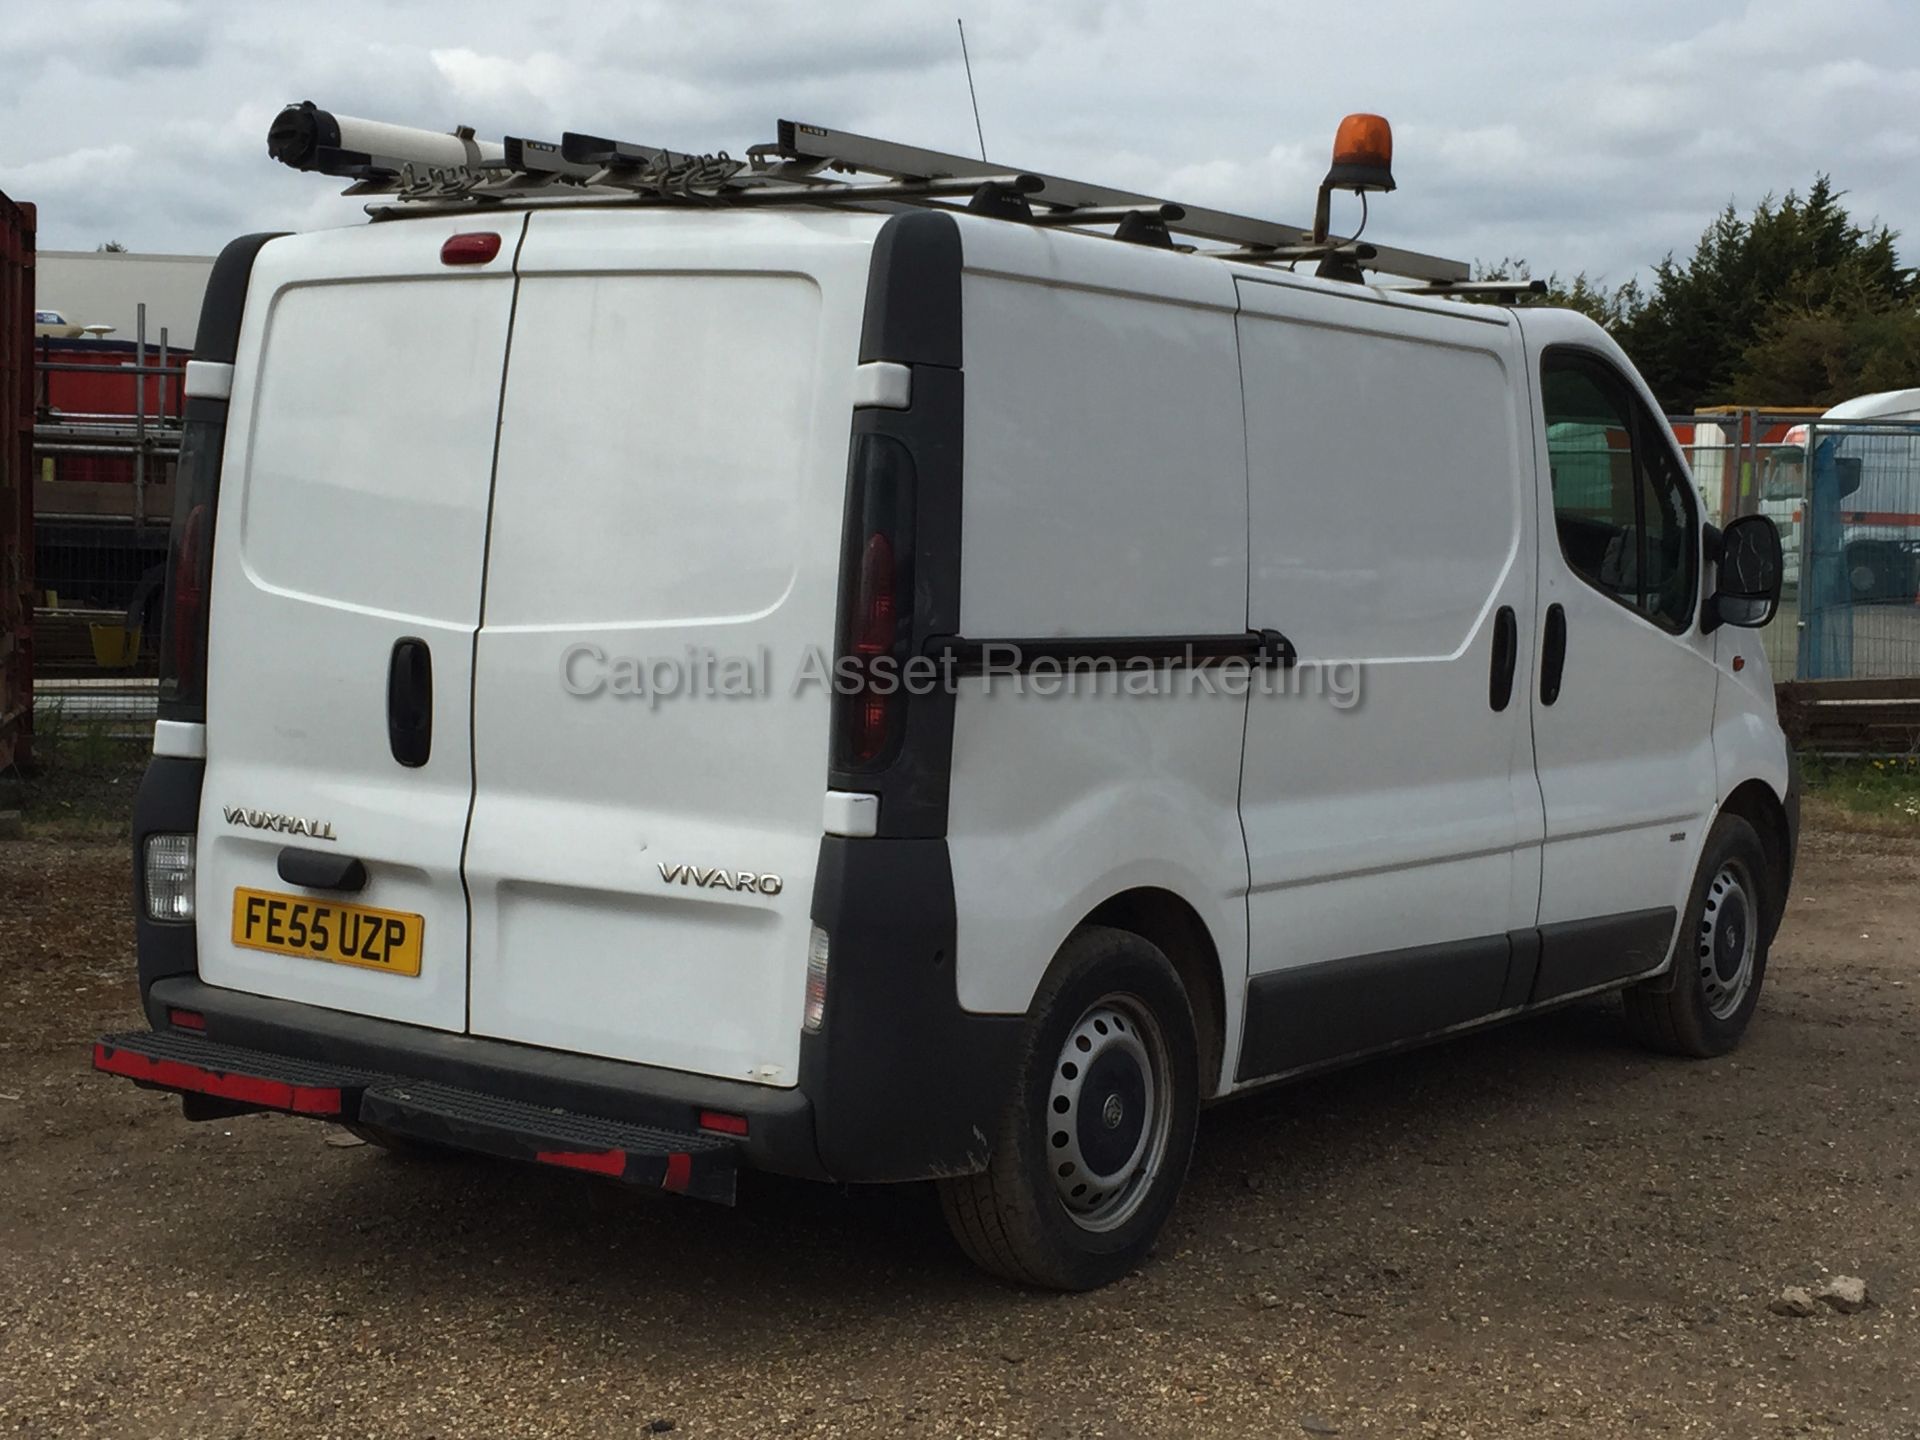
(1273, 651)
(1553, 655)
(410, 702)
(1506, 653)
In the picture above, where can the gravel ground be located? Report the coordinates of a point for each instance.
(1538, 1231)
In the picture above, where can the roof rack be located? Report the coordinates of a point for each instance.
(799, 167)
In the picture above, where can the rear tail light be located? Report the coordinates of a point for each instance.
(186, 1019)
(183, 651)
(722, 1123)
(169, 877)
(187, 621)
(877, 595)
(816, 1012)
(876, 616)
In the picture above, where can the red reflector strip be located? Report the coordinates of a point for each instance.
(726, 1124)
(246, 1089)
(679, 1172)
(594, 1162)
(187, 1019)
(476, 247)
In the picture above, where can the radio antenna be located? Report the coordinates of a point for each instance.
(971, 95)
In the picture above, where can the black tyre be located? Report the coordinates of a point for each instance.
(1702, 1005)
(1879, 570)
(1092, 1148)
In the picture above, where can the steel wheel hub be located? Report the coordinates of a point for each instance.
(1108, 1113)
(1728, 941)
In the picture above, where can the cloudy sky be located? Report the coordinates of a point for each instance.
(1582, 134)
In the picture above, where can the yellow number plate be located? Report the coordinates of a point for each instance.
(328, 930)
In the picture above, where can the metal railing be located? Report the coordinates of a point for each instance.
(1846, 498)
(103, 487)
(1859, 600)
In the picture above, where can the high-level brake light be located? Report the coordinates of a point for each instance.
(475, 247)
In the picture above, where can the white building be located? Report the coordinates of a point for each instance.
(90, 287)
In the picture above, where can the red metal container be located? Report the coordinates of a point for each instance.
(111, 391)
(103, 392)
(16, 486)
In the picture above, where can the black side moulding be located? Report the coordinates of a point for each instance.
(168, 802)
(905, 1084)
(218, 334)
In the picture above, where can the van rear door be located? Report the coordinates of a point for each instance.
(346, 588)
(666, 522)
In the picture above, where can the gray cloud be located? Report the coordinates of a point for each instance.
(1583, 135)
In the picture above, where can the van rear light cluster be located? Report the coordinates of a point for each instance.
(816, 1012)
(168, 865)
(875, 619)
(183, 650)
(876, 626)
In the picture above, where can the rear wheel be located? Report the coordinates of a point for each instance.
(1702, 1005)
(1090, 1153)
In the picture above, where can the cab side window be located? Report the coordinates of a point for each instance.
(1621, 501)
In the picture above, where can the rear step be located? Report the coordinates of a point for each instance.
(468, 1120)
(193, 1065)
(690, 1164)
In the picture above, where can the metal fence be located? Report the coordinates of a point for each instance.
(1846, 496)
(1859, 597)
(106, 437)
(112, 708)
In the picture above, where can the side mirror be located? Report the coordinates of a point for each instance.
(1750, 570)
(1849, 468)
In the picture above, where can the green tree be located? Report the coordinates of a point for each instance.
(1612, 308)
(1748, 282)
(1823, 356)
(1795, 304)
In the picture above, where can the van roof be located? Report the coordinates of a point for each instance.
(1883, 405)
(1069, 255)
(410, 169)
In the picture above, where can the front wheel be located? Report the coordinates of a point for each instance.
(1090, 1153)
(1701, 1006)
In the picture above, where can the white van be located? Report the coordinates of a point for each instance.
(1305, 670)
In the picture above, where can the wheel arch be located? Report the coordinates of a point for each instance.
(1167, 922)
(1755, 802)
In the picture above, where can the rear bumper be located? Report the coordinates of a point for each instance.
(780, 1129)
(901, 1082)
(226, 1079)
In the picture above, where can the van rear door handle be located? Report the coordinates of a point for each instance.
(410, 702)
(317, 870)
(1553, 655)
(1506, 652)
